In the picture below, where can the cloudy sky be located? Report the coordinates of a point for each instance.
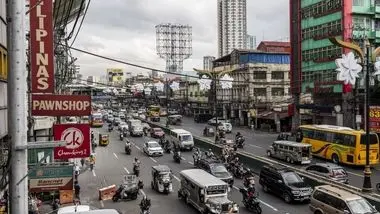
(125, 29)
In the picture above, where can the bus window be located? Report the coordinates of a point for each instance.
(372, 137)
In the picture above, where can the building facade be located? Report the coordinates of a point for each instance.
(277, 47)
(232, 25)
(313, 55)
(207, 62)
(3, 73)
(251, 42)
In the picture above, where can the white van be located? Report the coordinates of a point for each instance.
(182, 138)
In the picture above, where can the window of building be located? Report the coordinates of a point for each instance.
(261, 75)
(278, 75)
(358, 2)
(260, 91)
(277, 91)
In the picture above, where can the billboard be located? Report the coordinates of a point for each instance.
(51, 178)
(77, 137)
(374, 119)
(61, 105)
(115, 75)
(41, 47)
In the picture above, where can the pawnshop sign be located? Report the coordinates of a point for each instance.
(41, 46)
(61, 105)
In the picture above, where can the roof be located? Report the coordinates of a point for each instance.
(276, 44)
(180, 131)
(201, 177)
(292, 143)
(73, 209)
(337, 191)
(162, 168)
(332, 128)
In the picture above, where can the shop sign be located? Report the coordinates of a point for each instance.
(51, 172)
(77, 137)
(374, 118)
(36, 155)
(61, 105)
(50, 184)
(41, 46)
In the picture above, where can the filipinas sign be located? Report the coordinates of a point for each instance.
(61, 105)
(41, 46)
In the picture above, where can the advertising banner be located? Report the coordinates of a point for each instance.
(77, 137)
(51, 178)
(61, 105)
(374, 119)
(41, 46)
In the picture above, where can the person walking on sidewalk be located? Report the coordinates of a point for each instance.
(77, 190)
(82, 162)
(76, 171)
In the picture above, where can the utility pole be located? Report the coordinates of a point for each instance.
(17, 115)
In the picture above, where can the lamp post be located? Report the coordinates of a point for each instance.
(349, 75)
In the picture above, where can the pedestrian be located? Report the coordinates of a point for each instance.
(77, 190)
(76, 171)
(82, 162)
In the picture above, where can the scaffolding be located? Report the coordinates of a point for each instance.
(174, 44)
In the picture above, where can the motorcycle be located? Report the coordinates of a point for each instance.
(145, 211)
(249, 181)
(177, 156)
(240, 142)
(126, 195)
(239, 171)
(127, 149)
(253, 203)
(110, 128)
(121, 136)
(136, 170)
(167, 148)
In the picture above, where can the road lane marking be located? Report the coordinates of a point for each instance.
(176, 178)
(153, 159)
(356, 174)
(137, 147)
(235, 187)
(93, 173)
(268, 205)
(191, 163)
(101, 204)
(183, 158)
(255, 146)
(142, 192)
(114, 154)
(126, 170)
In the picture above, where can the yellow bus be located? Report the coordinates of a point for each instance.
(340, 144)
(153, 111)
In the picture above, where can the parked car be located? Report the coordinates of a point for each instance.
(152, 148)
(157, 132)
(330, 171)
(213, 122)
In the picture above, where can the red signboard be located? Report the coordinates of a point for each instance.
(41, 46)
(61, 105)
(77, 137)
(374, 118)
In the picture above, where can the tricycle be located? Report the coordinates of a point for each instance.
(103, 139)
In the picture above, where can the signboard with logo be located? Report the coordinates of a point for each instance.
(374, 118)
(41, 46)
(61, 105)
(51, 178)
(77, 137)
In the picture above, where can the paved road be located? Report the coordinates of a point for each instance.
(257, 143)
(112, 163)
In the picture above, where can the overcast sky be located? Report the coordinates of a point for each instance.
(125, 29)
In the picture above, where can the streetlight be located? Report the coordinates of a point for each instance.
(348, 69)
(226, 83)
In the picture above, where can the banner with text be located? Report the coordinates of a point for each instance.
(41, 46)
(77, 137)
(61, 105)
(51, 178)
(374, 119)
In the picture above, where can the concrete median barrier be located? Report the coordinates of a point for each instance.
(106, 193)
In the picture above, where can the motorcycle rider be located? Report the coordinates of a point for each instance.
(92, 136)
(209, 154)
(127, 145)
(136, 164)
(145, 203)
(248, 178)
(122, 192)
(110, 127)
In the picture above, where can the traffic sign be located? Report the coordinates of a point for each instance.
(77, 138)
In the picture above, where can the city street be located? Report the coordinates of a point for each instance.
(258, 142)
(112, 163)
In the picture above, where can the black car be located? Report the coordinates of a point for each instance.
(217, 169)
(202, 118)
(285, 183)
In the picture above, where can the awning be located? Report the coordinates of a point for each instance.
(270, 115)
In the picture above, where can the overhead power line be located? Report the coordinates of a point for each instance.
(80, 25)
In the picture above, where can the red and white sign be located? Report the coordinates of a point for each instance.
(61, 105)
(41, 46)
(77, 137)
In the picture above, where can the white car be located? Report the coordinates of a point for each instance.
(152, 148)
(122, 125)
(145, 126)
(227, 127)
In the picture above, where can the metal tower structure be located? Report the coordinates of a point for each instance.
(174, 44)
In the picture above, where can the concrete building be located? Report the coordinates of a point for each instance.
(92, 80)
(207, 62)
(3, 74)
(277, 47)
(251, 42)
(313, 55)
(232, 25)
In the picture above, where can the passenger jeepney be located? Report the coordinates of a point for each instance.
(290, 151)
(205, 192)
(162, 179)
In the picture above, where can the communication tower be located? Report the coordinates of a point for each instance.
(174, 44)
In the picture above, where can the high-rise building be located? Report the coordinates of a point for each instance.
(207, 62)
(251, 42)
(313, 68)
(232, 25)
(3, 73)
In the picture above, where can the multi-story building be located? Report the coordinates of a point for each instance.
(278, 47)
(207, 62)
(313, 56)
(3, 73)
(232, 25)
(251, 42)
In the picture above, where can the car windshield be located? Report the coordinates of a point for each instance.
(360, 206)
(157, 130)
(165, 176)
(186, 137)
(219, 170)
(153, 145)
(339, 172)
(291, 178)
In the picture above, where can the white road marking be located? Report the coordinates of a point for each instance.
(176, 178)
(255, 146)
(137, 147)
(235, 187)
(114, 154)
(191, 163)
(153, 159)
(93, 173)
(183, 158)
(126, 170)
(356, 174)
(101, 204)
(142, 192)
(268, 205)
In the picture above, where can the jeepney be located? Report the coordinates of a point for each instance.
(290, 151)
(205, 192)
